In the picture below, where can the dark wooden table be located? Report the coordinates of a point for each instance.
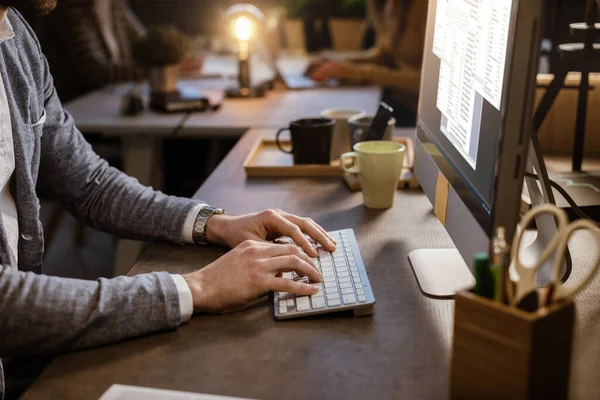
(403, 351)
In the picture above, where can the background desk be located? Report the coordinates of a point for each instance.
(403, 351)
(142, 136)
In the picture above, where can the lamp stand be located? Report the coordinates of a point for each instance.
(244, 88)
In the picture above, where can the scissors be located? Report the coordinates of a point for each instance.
(526, 287)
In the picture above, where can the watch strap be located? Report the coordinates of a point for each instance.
(199, 232)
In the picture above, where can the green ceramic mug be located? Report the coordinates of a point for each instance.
(378, 165)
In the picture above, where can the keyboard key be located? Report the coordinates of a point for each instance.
(362, 298)
(282, 310)
(347, 290)
(331, 290)
(358, 285)
(333, 302)
(360, 291)
(290, 303)
(330, 285)
(324, 253)
(302, 303)
(332, 296)
(318, 302)
(287, 275)
(343, 274)
(283, 295)
(342, 279)
(349, 299)
(345, 285)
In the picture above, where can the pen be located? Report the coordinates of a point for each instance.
(484, 285)
(501, 263)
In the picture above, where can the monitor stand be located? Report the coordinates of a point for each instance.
(442, 273)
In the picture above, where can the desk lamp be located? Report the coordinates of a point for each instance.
(244, 21)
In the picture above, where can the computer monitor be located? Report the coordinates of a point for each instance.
(474, 127)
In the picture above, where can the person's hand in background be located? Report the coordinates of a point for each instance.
(247, 272)
(314, 65)
(326, 71)
(267, 226)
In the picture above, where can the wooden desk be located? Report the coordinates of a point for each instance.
(403, 351)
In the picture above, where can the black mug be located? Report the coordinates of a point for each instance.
(311, 140)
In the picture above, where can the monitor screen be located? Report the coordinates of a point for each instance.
(462, 89)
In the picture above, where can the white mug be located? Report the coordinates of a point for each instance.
(340, 141)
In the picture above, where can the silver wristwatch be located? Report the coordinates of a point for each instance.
(199, 234)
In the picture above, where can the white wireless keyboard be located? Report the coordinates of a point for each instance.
(345, 286)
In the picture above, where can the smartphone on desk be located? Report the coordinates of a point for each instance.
(379, 124)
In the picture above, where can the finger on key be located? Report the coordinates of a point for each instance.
(293, 263)
(290, 249)
(300, 222)
(285, 227)
(288, 286)
(312, 229)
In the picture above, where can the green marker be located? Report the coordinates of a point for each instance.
(483, 275)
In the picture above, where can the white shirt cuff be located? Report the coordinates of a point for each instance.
(186, 304)
(188, 225)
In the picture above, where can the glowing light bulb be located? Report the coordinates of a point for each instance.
(243, 28)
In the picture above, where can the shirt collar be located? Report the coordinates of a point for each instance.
(6, 30)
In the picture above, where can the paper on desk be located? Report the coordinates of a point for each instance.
(125, 392)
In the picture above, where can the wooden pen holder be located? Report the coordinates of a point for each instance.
(500, 352)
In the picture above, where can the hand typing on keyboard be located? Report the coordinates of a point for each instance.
(256, 266)
(249, 271)
(266, 226)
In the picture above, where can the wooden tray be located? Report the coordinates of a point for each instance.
(266, 160)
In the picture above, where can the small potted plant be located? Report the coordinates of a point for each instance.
(347, 25)
(161, 50)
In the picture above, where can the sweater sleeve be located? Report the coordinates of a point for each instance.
(44, 314)
(95, 192)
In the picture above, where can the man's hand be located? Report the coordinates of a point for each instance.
(247, 272)
(326, 71)
(314, 65)
(267, 226)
